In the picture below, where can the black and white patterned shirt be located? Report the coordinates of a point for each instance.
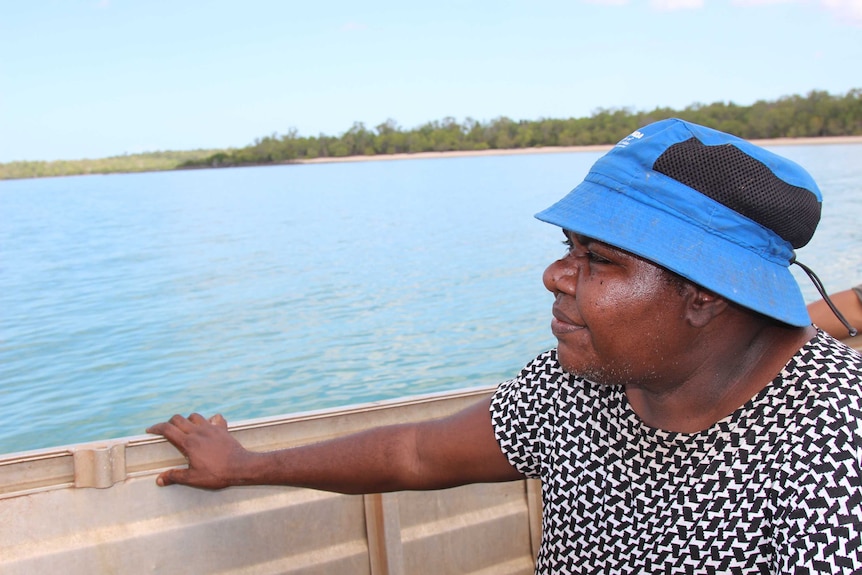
(772, 488)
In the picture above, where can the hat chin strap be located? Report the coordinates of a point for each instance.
(819, 285)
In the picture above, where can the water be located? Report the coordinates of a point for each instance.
(263, 291)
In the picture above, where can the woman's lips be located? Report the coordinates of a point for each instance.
(561, 324)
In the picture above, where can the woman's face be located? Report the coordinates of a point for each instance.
(618, 318)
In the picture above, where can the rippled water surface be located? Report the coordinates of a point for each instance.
(263, 291)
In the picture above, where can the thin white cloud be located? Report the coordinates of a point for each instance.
(673, 5)
(761, 2)
(847, 11)
(657, 5)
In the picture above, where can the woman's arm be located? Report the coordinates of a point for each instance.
(434, 454)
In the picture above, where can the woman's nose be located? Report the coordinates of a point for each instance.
(561, 276)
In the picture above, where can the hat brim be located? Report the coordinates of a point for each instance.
(615, 216)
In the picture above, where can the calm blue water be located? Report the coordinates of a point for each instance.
(263, 291)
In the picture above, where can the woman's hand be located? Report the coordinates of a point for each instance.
(216, 459)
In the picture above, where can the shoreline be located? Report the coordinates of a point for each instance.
(819, 141)
(807, 141)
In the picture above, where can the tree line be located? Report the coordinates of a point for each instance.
(815, 114)
(145, 162)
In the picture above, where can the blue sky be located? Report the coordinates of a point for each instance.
(96, 78)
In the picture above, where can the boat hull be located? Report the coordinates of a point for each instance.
(94, 508)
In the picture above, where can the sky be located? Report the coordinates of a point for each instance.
(99, 78)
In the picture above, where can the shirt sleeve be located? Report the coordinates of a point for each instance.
(823, 530)
(819, 528)
(522, 413)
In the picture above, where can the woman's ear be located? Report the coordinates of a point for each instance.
(703, 306)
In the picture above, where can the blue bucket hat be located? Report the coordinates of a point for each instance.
(711, 207)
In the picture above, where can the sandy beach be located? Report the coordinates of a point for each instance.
(562, 150)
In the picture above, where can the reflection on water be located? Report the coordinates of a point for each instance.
(261, 291)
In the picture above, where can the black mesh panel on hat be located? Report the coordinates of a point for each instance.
(730, 176)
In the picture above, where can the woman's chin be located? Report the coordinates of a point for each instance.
(572, 360)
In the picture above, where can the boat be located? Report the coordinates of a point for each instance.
(94, 508)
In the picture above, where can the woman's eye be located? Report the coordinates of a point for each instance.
(595, 258)
(578, 248)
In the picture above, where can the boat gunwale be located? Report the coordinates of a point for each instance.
(102, 463)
